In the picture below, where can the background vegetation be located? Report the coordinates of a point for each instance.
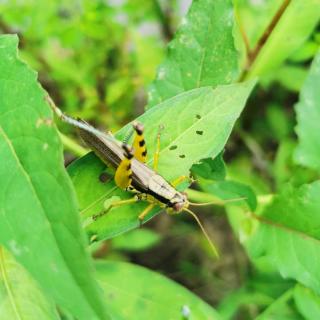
(109, 61)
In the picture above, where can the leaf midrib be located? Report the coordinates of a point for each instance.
(282, 227)
(8, 286)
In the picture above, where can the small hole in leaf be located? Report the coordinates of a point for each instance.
(104, 177)
(182, 156)
(94, 238)
(173, 147)
(199, 132)
(198, 116)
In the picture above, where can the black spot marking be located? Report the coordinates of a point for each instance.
(198, 116)
(104, 177)
(129, 166)
(173, 147)
(130, 176)
(142, 143)
(199, 132)
(182, 156)
(144, 153)
(127, 151)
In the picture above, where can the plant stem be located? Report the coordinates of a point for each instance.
(72, 146)
(200, 197)
(263, 39)
(243, 34)
(283, 299)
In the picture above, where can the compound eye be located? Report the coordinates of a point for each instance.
(178, 206)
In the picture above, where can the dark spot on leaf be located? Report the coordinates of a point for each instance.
(104, 177)
(199, 132)
(198, 116)
(182, 156)
(173, 147)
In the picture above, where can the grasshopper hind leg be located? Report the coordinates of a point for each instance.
(139, 144)
(123, 175)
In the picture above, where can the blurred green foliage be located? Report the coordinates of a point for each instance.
(94, 57)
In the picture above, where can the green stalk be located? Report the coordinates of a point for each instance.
(72, 146)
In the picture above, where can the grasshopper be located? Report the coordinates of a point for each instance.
(131, 172)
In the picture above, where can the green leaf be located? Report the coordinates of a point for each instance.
(308, 118)
(278, 122)
(287, 36)
(136, 240)
(20, 295)
(291, 77)
(240, 169)
(201, 54)
(284, 168)
(213, 169)
(38, 217)
(206, 117)
(306, 52)
(229, 190)
(287, 235)
(307, 302)
(128, 296)
(242, 298)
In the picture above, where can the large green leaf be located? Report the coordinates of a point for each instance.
(287, 35)
(20, 296)
(196, 124)
(308, 118)
(307, 302)
(287, 236)
(201, 54)
(38, 217)
(129, 297)
(213, 169)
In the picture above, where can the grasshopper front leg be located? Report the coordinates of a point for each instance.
(115, 204)
(143, 214)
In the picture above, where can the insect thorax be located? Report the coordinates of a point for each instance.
(162, 193)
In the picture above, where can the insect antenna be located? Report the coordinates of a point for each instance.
(78, 123)
(195, 217)
(218, 201)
